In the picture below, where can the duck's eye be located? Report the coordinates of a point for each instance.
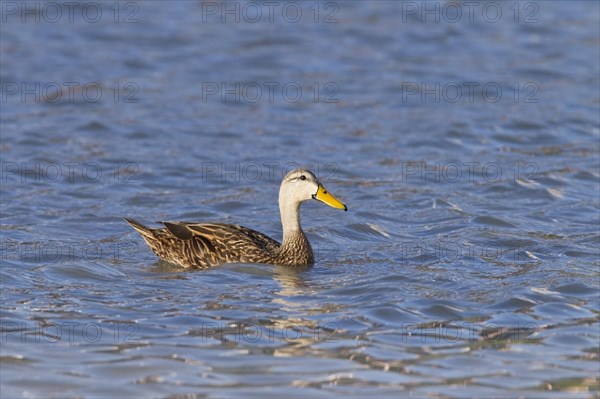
(302, 177)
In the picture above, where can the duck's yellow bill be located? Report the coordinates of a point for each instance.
(324, 196)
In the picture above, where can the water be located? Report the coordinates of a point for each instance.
(467, 153)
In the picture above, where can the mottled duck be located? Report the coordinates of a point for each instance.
(203, 245)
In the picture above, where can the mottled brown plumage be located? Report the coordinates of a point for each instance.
(205, 245)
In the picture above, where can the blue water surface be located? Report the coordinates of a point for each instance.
(463, 136)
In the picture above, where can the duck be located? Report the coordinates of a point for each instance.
(204, 245)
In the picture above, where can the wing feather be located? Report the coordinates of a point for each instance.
(208, 244)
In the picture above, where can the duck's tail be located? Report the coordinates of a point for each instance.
(140, 228)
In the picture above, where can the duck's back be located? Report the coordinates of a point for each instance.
(208, 244)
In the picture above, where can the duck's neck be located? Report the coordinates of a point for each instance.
(295, 248)
(290, 220)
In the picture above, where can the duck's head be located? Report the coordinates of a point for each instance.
(301, 185)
